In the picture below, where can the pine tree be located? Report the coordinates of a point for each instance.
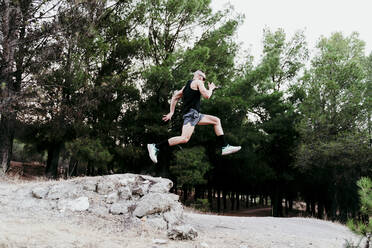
(364, 226)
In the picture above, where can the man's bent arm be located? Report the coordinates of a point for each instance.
(175, 99)
(204, 92)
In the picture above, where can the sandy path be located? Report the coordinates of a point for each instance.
(269, 232)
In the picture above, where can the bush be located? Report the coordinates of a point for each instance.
(23, 152)
(201, 205)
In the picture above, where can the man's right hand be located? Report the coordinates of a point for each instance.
(211, 86)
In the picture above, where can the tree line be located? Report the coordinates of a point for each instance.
(86, 82)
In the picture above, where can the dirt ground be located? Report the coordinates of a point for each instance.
(23, 227)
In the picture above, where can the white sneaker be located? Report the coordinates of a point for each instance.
(226, 150)
(153, 152)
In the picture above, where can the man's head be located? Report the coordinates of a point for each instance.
(199, 75)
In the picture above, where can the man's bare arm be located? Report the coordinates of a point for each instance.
(203, 91)
(177, 95)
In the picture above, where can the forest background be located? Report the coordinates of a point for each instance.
(84, 84)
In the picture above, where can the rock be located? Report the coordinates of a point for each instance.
(159, 241)
(154, 203)
(124, 193)
(204, 245)
(175, 215)
(64, 190)
(161, 185)
(157, 221)
(126, 180)
(40, 192)
(123, 207)
(184, 232)
(112, 198)
(79, 204)
(105, 187)
(140, 190)
(90, 185)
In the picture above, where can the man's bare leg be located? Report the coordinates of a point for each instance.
(212, 120)
(216, 122)
(187, 131)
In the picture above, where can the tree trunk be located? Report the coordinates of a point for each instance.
(237, 201)
(51, 170)
(218, 200)
(72, 167)
(6, 142)
(224, 200)
(210, 198)
(277, 204)
(290, 204)
(320, 210)
(232, 200)
(184, 194)
(9, 24)
(312, 207)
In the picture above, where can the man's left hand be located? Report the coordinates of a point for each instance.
(167, 117)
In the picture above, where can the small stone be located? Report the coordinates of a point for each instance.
(184, 232)
(159, 241)
(40, 192)
(204, 245)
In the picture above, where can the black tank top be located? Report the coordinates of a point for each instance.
(190, 98)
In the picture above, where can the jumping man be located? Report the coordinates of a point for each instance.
(190, 95)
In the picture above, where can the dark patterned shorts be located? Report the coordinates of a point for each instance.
(193, 116)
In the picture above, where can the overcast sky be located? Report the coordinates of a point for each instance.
(315, 17)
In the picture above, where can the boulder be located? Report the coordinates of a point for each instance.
(175, 215)
(154, 203)
(157, 222)
(123, 207)
(79, 204)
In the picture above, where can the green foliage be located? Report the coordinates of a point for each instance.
(334, 145)
(350, 244)
(190, 166)
(103, 77)
(89, 150)
(23, 152)
(364, 227)
(201, 205)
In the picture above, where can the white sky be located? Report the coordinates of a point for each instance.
(315, 17)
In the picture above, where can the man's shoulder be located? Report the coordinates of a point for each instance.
(198, 82)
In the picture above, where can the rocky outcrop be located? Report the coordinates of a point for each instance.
(138, 198)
